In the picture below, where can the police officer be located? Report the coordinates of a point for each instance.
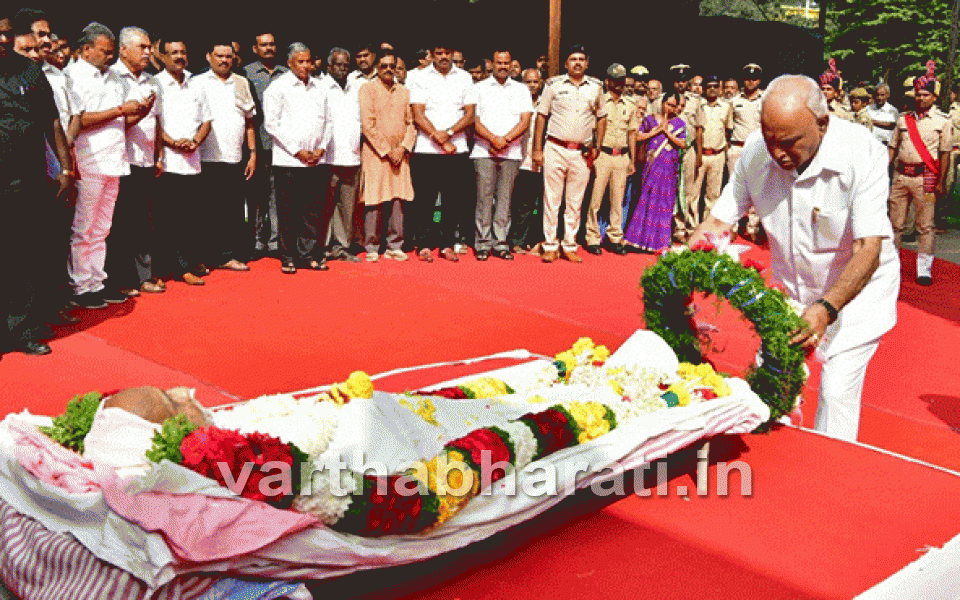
(710, 122)
(920, 169)
(614, 163)
(684, 223)
(574, 104)
(29, 257)
(744, 120)
(859, 104)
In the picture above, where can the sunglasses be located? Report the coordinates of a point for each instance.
(710, 85)
(388, 66)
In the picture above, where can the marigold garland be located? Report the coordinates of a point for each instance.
(667, 288)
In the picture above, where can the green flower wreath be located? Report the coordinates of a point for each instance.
(667, 288)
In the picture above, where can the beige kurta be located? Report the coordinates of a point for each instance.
(387, 122)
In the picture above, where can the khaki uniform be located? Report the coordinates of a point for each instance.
(936, 132)
(684, 223)
(744, 120)
(713, 120)
(862, 117)
(611, 167)
(573, 111)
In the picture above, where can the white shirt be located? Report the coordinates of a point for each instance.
(231, 104)
(58, 81)
(141, 137)
(444, 99)
(885, 114)
(499, 109)
(344, 148)
(99, 149)
(183, 110)
(813, 218)
(297, 117)
(357, 77)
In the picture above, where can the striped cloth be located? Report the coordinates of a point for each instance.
(39, 564)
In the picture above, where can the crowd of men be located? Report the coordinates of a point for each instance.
(299, 156)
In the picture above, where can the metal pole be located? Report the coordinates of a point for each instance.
(554, 50)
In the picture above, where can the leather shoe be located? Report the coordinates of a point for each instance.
(191, 279)
(617, 249)
(450, 254)
(594, 249)
(151, 287)
(925, 280)
(572, 256)
(550, 255)
(235, 265)
(482, 255)
(35, 348)
(502, 253)
(200, 270)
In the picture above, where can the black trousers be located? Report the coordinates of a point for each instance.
(177, 228)
(301, 195)
(262, 205)
(221, 211)
(526, 211)
(131, 240)
(33, 258)
(451, 177)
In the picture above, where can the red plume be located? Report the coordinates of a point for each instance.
(931, 67)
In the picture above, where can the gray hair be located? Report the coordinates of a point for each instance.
(94, 31)
(296, 48)
(883, 86)
(815, 100)
(127, 35)
(537, 71)
(337, 50)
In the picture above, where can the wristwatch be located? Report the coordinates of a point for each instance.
(450, 132)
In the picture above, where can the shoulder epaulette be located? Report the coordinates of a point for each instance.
(592, 79)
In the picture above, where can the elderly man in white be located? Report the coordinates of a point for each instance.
(98, 97)
(825, 210)
(297, 116)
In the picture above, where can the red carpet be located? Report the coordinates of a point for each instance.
(825, 520)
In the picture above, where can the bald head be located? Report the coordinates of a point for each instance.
(793, 118)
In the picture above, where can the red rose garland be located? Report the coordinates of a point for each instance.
(552, 430)
(478, 440)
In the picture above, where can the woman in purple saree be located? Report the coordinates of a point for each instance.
(664, 134)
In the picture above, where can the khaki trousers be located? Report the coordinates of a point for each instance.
(905, 191)
(689, 179)
(733, 154)
(610, 170)
(562, 167)
(712, 172)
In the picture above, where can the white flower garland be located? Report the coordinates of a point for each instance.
(320, 498)
(523, 441)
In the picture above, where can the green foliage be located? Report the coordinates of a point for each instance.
(667, 288)
(873, 39)
(755, 10)
(70, 428)
(166, 442)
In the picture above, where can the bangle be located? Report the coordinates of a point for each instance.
(832, 311)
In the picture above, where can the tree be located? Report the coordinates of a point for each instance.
(888, 39)
(755, 10)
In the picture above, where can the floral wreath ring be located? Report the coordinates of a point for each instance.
(668, 286)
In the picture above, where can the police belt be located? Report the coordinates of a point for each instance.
(567, 145)
(733, 143)
(712, 152)
(614, 151)
(911, 169)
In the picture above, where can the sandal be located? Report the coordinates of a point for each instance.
(318, 266)
(289, 268)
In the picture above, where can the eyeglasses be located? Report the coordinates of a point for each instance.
(388, 66)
